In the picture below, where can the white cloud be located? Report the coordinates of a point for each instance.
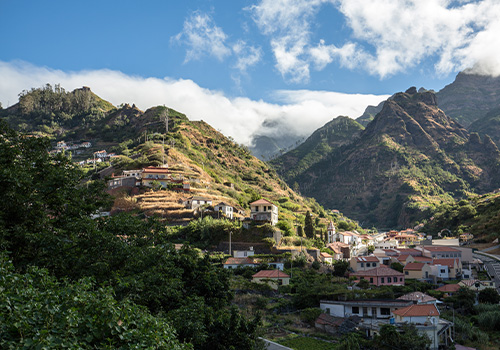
(387, 36)
(299, 112)
(247, 55)
(202, 37)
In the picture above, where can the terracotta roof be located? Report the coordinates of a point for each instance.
(261, 201)
(447, 262)
(440, 249)
(366, 259)
(155, 170)
(325, 255)
(378, 272)
(414, 266)
(422, 259)
(409, 251)
(449, 288)
(270, 274)
(239, 261)
(326, 319)
(470, 282)
(418, 297)
(417, 310)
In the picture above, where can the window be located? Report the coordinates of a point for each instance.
(367, 264)
(328, 310)
(355, 310)
(443, 271)
(365, 311)
(371, 279)
(389, 279)
(406, 273)
(269, 208)
(362, 264)
(401, 279)
(256, 208)
(385, 311)
(382, 280)
(374, 264)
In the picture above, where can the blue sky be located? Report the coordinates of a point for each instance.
(239, 64)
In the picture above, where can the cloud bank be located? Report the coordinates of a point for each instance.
(299, 112)
(386, 36)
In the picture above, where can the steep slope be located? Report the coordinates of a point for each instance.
(488, 125)
(408, 159)
(369, 114)
(215, 165)
(335, 133)
(469, 97)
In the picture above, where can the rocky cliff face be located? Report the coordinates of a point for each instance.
(409, 158)
(469, 97)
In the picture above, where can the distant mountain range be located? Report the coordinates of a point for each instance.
(410, 158)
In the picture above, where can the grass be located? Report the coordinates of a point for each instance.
(306, 343)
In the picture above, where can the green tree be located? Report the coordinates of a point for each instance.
(300, 231)
(308, 225)
(340, 267)
(397, 266)
(489, 296)
(408, 338)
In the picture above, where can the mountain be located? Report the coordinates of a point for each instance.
(337, 132)
(215, 165)
(469, 97)
(488, 125)
(369, 114)
(409, 159)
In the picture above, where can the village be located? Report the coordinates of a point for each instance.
(378, 259)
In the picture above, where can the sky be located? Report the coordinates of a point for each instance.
(247, 67)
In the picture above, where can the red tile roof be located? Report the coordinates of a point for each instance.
(156, 170)
(417, 310)
(414, 266)
(239, 261)
(422, 259)
(261, 201)
(367, 259)
(270, 274)
(449, 288)
(325, 255)
(440, 249)
(447, 262)
(378, 272)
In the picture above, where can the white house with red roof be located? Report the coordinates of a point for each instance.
(441, 252)
(264, 211)
(224, 209)
(233, 263)
(273, 278)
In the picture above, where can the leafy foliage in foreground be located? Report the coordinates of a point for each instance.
(38, 311)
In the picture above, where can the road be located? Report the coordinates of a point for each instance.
(493, 267)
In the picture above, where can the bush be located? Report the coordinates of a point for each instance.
(316, 265)
(310, 314)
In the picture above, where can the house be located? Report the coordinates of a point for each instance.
(326, 258)
(440, 272)
(363, 263)
(243, 253)
(377, 309)
(273, 278)
(224, 209)
(382, 276)
(449, 288)
(417, 270)
(476, 285)
(426, 319)
(418, 298)
(86, 144)
(195, 202)
(264, 211)
(122, 181)
(341, 250)
(133, 173)
(233, 263)
(441, 252)
(454, 267)
(152, 174)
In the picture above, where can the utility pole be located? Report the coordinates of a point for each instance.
(163, 151)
